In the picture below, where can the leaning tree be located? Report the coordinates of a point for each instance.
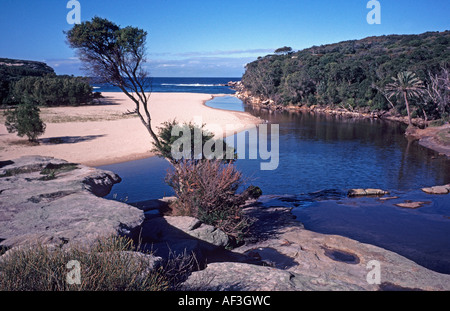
(116, 55)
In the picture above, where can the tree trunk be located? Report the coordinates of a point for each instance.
(407, 108)
(425, 116)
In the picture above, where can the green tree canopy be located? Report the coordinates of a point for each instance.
(25, 120)
(351, 74)
(283, 50)
(406, 85)
(116, 55)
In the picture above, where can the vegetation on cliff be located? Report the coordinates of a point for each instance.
(353, 74)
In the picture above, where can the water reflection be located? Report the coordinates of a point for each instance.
(319, 151)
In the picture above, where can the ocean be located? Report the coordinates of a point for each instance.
(178, 85)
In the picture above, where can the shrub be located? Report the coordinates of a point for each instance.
(25, 120)
(110, 265)
(188, 137)
(253, 192)
(207, 190)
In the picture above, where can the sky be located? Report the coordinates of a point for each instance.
(193, 38)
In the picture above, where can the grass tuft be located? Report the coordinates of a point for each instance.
(112, 264)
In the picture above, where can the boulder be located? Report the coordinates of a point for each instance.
(51, 201)
(171, 236)
(412, 205)
(232, 276)
(437, 190)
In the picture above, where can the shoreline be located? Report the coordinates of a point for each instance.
(429, 137)
(105, 134)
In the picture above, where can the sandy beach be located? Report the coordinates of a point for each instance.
(104, 133)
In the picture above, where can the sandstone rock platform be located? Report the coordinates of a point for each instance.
(50, 201)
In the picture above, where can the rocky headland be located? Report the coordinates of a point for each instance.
(50, 201)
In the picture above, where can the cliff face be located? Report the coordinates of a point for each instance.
(54, 202)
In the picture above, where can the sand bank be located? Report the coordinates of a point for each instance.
(105, 134)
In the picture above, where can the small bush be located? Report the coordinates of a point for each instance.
(186, 139)
(253, 192)
(25, 120)
(52, 170)
(110, 265)
(207, 190)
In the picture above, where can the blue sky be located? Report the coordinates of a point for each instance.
(189, 38)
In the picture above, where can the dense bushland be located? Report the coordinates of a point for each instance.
(353, 74)
(51, 91)
(39, 83)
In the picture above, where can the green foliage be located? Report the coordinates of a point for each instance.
(19, 79)
(253, 192)
(25, 120)
(52, 170)
(348, 73)
(12, 70)
(111, 53)
(283, 50)
(53, 91)
(405, 85)
(191, 140)
(116, 55)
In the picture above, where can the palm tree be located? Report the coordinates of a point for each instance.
(406, 85)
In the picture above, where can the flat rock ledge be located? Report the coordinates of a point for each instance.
(50, 201)
(53, 202)
(290, 258)
(437, 190)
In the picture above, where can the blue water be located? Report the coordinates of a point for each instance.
(321, 157)
(179, 85)
(226, 103)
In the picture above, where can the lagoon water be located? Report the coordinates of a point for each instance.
(320, 158)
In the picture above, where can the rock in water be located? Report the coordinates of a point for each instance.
(366, 192)
(437, 190)
(412, 205)
(50, 201)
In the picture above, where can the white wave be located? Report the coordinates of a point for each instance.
(190, 85)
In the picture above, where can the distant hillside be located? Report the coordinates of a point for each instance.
(15, 68)
(348, 74)
(12, 70)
